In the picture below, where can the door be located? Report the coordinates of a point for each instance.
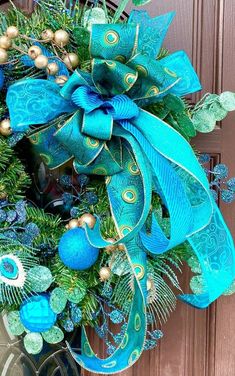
(198, 343)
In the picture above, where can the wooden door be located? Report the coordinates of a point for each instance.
(199, 343)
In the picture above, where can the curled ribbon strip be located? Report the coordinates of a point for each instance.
(107, 133)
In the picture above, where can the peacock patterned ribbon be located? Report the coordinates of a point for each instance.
(107, 133)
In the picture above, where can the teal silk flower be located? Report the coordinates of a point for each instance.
(107, 133)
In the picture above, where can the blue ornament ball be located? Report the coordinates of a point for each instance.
(36, 314)
(75, 251)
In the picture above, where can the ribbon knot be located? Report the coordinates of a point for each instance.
(99, 113)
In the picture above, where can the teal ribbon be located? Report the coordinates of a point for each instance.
(107, 133)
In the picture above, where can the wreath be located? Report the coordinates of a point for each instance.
(98, 94)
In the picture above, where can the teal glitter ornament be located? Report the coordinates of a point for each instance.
(33, 343)
(15, 326)
(36, 314)
(58, 300)
(54, 335)
(75, 251)
(40, 278)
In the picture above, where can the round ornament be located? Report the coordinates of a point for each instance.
(52, 69)
(12, 32)
(61, 80)
(54, 335)
(40, 278)
(73, 223)
(75, 251)
(87, 219)
(47, 35)
(71, 60)
(41, 62)
(5, 127)
(15, 325)
(5, 42)
(76, 295)
(36, 314)
(61, 38)
(104, 273)
(3, 56)
(33, 343)
(34, 52)
(58, 300)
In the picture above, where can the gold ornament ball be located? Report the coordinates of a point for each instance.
(71, 60)
(104, 273)
(61, 38)
(110, 248)
(121, 247)
(12, 32)
(48, 35)
(41, 62)
(34, 52)
(88, 219)
(61, 80)
(3, 195)
(73, 223)
(52, 69)
(3, 56)
(5, 42)
(5, 127)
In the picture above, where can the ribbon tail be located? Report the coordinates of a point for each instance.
(129, 209)
(216, 258)
(206, 230)
(132, 344)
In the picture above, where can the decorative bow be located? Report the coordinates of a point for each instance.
(107, 133)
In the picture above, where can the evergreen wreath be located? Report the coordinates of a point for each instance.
(54, 276)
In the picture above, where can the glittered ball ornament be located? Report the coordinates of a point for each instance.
(12, 32)
(75, 251)
(61, 38)
(41, 62)
(34, 52)
(52, 69)
(5, 42)
(3, 56)
(71, 60)
(61, 80)
(5, 127)
(48, 35)
(36, 314)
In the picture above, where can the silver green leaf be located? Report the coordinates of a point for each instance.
(227, 100)
(204, 121)
(54, 335)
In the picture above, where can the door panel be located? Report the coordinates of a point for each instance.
(198, 343)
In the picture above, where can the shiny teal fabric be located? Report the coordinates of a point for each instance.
(109, 134)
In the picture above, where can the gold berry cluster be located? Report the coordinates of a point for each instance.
(59, 40)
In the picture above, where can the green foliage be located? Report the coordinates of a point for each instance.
(51, 227)
(176, 112)
(13, 178)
